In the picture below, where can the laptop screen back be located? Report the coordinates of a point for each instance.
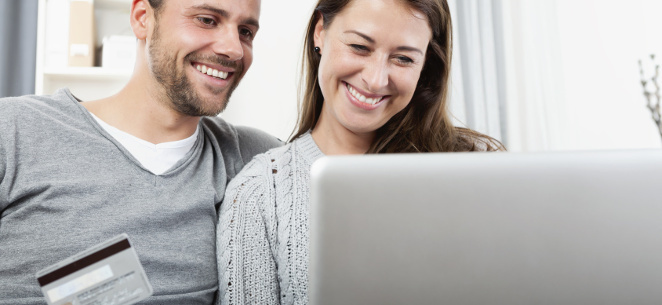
(487, 228)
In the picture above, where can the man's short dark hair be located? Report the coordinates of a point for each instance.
(156, 4)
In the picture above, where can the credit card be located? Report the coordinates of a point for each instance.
(105, 274)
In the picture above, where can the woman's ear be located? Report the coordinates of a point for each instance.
(141, 16)
(319, 33)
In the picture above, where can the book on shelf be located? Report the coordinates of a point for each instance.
(81, 33)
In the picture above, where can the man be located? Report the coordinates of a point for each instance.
(150, 161)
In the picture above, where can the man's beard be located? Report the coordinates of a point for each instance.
(178, 87)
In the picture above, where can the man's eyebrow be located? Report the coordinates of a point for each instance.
(370, 40)
(223, 13)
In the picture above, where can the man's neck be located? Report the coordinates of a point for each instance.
(141, 110)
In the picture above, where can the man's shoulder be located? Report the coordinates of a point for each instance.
(244, 135)
(275, 156)
(239, 142)
(253, 135)
(19, 104)
(28, 104)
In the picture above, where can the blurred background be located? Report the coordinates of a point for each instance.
(541, 75)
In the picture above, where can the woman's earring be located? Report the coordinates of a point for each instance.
(318, 50)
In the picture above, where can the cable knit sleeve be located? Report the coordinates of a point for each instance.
(245, 235)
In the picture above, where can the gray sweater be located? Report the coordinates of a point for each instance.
(66, 185)
(263, 228)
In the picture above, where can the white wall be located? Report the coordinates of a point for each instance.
(601, 42)
(267, 96)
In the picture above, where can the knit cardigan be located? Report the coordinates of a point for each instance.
(263, 230)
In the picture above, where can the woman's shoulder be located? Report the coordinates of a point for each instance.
(251, 194)
(260, 168)
(268, 158)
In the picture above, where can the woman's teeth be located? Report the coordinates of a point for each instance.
(212, 72)
(362, 97)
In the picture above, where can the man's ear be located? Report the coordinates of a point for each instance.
(141, 16)
(319, 33)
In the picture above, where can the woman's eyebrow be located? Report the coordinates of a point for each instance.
(370, 40)
(364, 36)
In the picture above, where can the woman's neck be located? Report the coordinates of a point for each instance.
(335, 139)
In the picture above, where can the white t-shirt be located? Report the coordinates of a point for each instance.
(157, 158)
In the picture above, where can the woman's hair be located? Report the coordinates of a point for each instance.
(424, 125)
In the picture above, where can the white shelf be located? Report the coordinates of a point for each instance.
(92, 73)
(89, 83)
(123, 5)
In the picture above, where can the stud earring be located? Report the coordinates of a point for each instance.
(318, 50)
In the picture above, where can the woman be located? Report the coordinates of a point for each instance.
(377, 75)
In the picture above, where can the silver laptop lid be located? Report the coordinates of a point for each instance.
(487, 228)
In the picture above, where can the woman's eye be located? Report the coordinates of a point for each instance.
(358, 47)
(207, 21)
(405, 60)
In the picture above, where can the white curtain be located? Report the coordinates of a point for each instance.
(477, 90)
(18, 45)
(507, 78)
(534, 75)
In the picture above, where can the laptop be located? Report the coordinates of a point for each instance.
(487, 228)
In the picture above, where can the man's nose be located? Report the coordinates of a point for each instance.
(375, 74)
(228, 44)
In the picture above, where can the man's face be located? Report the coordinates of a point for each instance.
(200, 49)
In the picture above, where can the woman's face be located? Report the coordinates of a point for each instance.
(372, 56)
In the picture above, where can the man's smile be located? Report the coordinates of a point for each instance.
(212, 72)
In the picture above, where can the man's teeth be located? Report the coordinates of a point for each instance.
(212, 72)
(362, 97)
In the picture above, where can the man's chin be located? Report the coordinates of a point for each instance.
(214, 105)
(216, 111)
(210, 101)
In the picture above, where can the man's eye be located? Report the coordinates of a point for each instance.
(246, 33)
(207, 21)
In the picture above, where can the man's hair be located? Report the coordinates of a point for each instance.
(156, 5)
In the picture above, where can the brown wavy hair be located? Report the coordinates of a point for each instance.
(424, 125)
